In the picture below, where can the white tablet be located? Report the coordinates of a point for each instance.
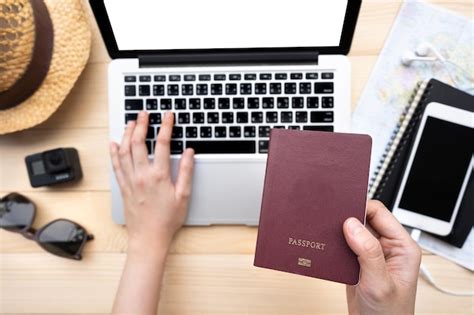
(439, 166)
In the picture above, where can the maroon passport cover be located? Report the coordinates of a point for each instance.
(314, 181)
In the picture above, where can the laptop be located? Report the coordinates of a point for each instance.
(229, 71)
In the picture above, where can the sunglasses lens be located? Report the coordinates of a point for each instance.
(16, 212)
(62, 238)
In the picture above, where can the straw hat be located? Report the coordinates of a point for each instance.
(44, 46)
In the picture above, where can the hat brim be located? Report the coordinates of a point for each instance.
(71, 49)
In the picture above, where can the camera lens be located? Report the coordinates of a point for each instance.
(55, 158)
(55, 161)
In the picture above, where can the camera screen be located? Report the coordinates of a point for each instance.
(38, 167)
(438, 169)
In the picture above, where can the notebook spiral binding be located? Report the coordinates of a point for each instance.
(398, 139)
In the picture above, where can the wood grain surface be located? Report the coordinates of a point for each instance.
(209, 270)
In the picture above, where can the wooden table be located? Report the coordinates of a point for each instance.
(209, 270)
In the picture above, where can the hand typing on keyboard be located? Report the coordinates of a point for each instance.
(155, 208)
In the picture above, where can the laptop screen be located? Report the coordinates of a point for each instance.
(211, 24)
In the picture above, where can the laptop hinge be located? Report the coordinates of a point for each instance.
(240, 58)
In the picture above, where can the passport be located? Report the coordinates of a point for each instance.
(314, 181)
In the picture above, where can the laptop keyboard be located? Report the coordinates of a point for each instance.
(225, 113)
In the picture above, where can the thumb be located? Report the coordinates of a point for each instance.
(369, 252)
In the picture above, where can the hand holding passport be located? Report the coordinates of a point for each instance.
(314, 182)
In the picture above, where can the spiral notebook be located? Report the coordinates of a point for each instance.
(386, 179)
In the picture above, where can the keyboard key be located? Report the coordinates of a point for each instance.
(189, 77)
(250, 76)
(213, 118)
(322, 117)
(219, 77)
(130, 116)
(265, 76)
(220, 132)
(206, 132)
(173, 89)
(311, 76)
(204, 77)
(312, 102)
(319, 128)
(324, 87)
(234, 132)
(245, 88)
(238, 103)
(187, 89)
(242, 117)
(165, 104)
(159, 78)
(327, 75)
(176, 147)
(296, 76)
(145, 78)
(159, 89)
(195, 103)
(283, 102)
(271, 117)
(235, 77)
(177, 132)
(191, 132)
(297, 102)
(175, 78)
(198, 118)
(264, 131)
(151, 104)
(134, 104)
(180, 103)
(286, 117)
(279, 127)
(201, 89)
(149, 147)
(253, 103)
(231, 89)
(249, 131)
(130, 78)
(263, 146)
(301, 117)
(260, 88)
(281, 76)
(290, 88)
(227, 117)
(144, 90)
(305, 88)
(183, 118)
(222, 146)
(216, 89)
(275, 88)
(130, 90)
(209, 103)
(267, 102)
(223, 103)
(155, 119)
(294, 127)
(327, 102)
(256, 117)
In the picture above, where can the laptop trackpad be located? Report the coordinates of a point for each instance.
(226, 191)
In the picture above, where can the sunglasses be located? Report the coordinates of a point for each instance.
(60, 237)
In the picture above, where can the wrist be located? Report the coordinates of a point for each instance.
(148, 248)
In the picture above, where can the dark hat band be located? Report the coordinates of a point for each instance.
(40, 59)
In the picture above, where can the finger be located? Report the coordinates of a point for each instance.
(368, 250)
(185, 174)
(162, 147)
(139, 150)
(114, 155)
(384, 223)
(125, 155)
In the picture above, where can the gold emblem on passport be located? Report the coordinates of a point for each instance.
(304, 262)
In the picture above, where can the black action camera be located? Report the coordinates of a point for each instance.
(53, 167)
